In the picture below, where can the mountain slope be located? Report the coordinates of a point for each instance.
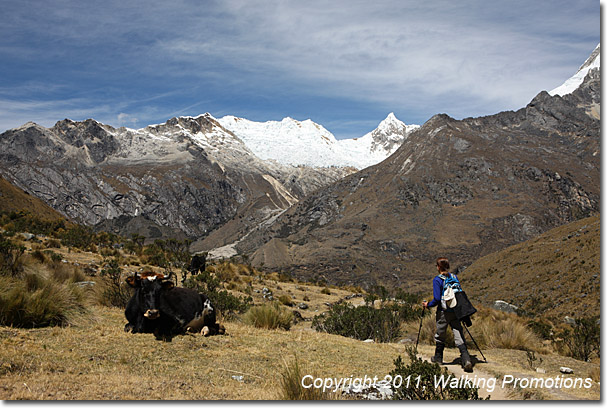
(554, 275)
(297, 143)
(13, 199)
(185, 177)
(457, 188)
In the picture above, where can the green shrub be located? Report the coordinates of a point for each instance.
(541, 329)
(410, 298)
(115, 291)
(583, 340)
(39, 256)
(10, 257)
(360, 322)
(23, 221)
(224, 302)
(269, 316)
(77, 236)
(418, 381)
(325, 291)
(55, 257)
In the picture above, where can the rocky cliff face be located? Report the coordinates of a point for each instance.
(185, 177)
(456, 188)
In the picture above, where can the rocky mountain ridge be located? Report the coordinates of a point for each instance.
(456, 188)
(183, 178)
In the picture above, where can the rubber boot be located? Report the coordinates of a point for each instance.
(438, 353)
(466, 362)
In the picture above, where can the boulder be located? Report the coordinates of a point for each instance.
(569, 320)
(505, 306)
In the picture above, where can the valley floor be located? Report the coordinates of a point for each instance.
(98, 361)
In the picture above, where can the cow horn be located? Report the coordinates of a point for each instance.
(166, 277)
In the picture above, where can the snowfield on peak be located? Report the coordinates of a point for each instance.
(293, 142)
(594, 61)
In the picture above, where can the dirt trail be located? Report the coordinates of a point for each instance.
(497, 393)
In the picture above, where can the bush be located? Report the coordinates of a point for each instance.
(419, 381)
(55, 257)
(541, 329)
(583, 340)
(115, 291)
(360, 322)
(10, 257)
(23, 221)
(224, 302)
(269, 316)
(77, 236)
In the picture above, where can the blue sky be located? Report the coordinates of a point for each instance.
(344, 64)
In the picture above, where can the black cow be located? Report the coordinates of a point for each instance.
(135, 310)
(198, 263)
(166, 310)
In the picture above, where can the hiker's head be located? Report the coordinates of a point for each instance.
(442, 264)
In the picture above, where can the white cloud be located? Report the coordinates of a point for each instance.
(126, 119)
(464, 58)
(389, 52)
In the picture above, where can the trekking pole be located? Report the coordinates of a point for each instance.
(423, 309)
(475, 342)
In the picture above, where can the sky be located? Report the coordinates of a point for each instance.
(343, 64)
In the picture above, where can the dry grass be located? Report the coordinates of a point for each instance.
(43, 294)
(99, 361)
(491, 329)
(95, 359)
(269, 316)
(291, 387)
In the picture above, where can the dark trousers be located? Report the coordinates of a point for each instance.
(446, 318)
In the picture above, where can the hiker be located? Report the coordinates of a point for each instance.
(446, 316)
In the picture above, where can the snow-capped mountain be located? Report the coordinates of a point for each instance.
(297, 143)
(378, 144)
(185, 177)
(594, 61)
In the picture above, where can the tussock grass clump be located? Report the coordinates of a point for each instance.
(291, 387)
(42, 293)
(37, 301)
(286, 300)
(269, 316)
(491, 329)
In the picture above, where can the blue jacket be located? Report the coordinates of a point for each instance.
(437, 290)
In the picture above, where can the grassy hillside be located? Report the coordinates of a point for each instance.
(553, 275)
(13, 199)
